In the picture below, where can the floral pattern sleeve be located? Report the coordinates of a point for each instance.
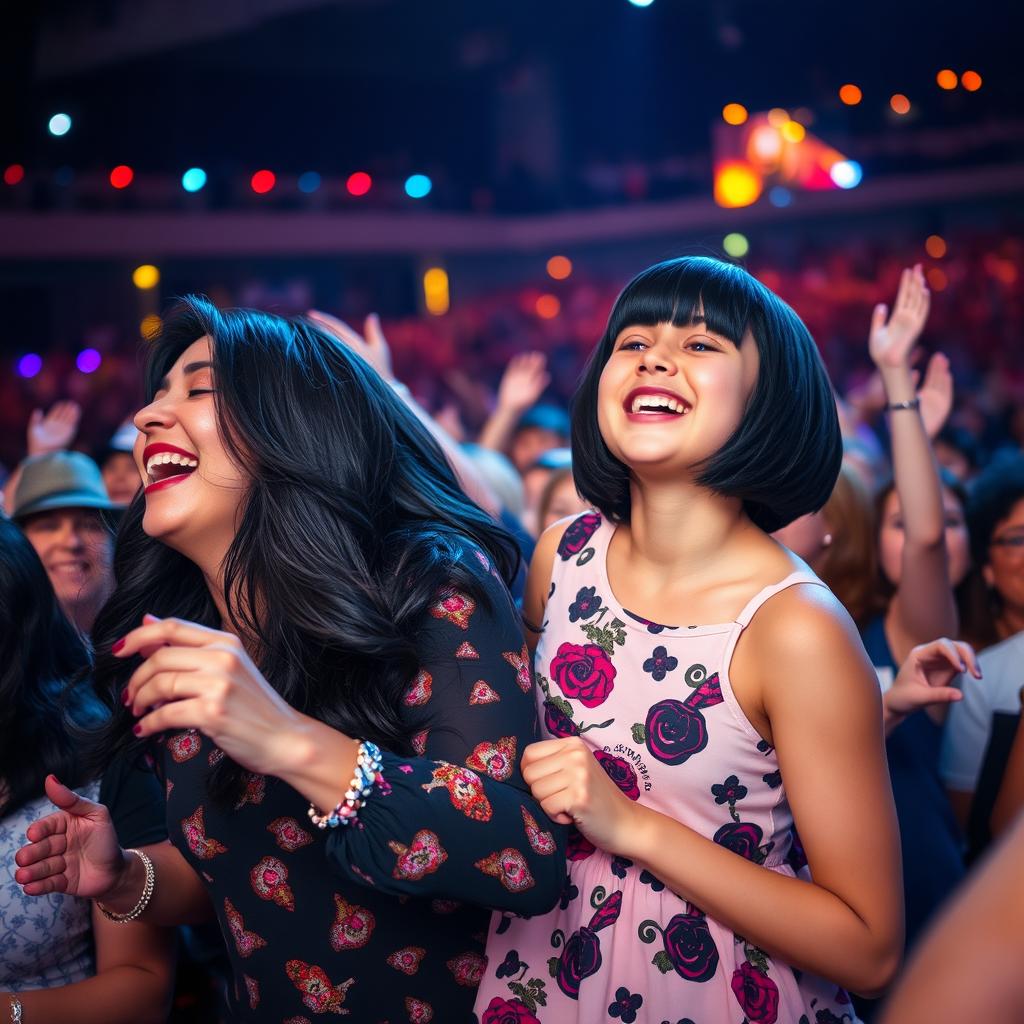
(458, 822)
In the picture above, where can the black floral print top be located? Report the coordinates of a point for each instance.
(385, 921)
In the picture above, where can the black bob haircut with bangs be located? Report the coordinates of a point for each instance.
(783, 459)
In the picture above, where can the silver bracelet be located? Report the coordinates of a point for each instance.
(912, 403)
(147, 893)
(15, 1010)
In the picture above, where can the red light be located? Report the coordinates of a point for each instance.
(14, 174)
(359, 184)
(121, 176)
(263, 181)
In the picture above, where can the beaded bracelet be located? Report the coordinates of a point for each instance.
(147, 893)
(368, 764)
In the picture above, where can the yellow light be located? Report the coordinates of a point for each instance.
(145, 277)
(899, 103)
(777, 117)
(937, 279)
(734, 113)
(435, 291)
(850, 94)
(736, 184)
(793, 131)
(736, 245)
(559, 267)
(548, 307)
(935, 246)
(946, 79)
(971, 81)
(150, 326)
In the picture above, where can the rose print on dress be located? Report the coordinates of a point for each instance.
(540, 841)
(419, 741)
(508, 1011)
(660, 663)
(689, 948)
(254, 792)
(407, 960)
(467, 968)
(352, 926)
(509, 867)
(744, 838)
(318, 993)
(252, 988)
(419, 1011)
(195, 835)
(483, 693)
(269, 880)
(576, 535)
(245, 942)
(419, 690)
(184, 745)
(675, 730)
(498, 760)
(729, 792)
(455, 607)
(756, 993)
(621, 772)
(467, 651)
(289, 834)
(587, 603)
(584, 673)
(465, 789)
(625, 1006)
(581, 952)
(579, 847)
(423, 856)
(520, 661)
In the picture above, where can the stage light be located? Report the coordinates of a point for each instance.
(793, 131)
(559, 267)
(145, 277)
(121, 176)
(736, 184)
(193, 179)
(417, 186)
(937, 279)
(736, 245)
(60, 124)
(935, 246)
(971, 81)
(846, 173)
(29, 365)
(359, 183)
(150, 326)
(765, 143)
(435, 291)
(64, 176)
(13, 174)
(777, 117)
(88, 360)
(899, 103)
(641, 3)
(548, 307)
(780, 196)
(734, 113)
(850, 94)
(309, 182)
(262, 182)
(946, 79)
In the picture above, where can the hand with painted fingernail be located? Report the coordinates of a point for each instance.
(924, 679)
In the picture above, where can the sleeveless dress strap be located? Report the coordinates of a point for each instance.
(759, 598)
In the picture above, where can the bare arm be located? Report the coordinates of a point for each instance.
(924, 604)
(132, 985)
(522, 383)
(968, 966)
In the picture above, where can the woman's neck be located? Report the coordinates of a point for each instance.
(1009, 621)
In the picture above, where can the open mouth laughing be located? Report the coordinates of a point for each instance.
(166, 465)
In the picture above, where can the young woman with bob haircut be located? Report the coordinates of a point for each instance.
(672, 631)
(312, 635)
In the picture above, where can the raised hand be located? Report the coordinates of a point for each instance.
(936, 395)
(523, 381)
(74, 850)
(892, 337)
(55, 430)
(924, 678)
(371, 345)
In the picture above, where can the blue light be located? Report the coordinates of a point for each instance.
(417, 186)
(780, 196)
(641, 3)
(63, 176)
(60, 124)
(847, 173)
(29, 365)
(309, 182)
(193, 179)
(88, 360)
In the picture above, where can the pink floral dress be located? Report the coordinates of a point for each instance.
(655, 704)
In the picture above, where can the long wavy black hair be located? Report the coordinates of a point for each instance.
(351, 525)
(45, 696)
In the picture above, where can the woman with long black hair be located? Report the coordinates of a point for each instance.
(305, 597)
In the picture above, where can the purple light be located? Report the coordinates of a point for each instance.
(88, 360)
(29, 365)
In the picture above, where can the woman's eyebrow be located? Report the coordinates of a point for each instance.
(186, 370)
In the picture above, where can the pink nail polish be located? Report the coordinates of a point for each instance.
(137, 728)
(125, 699)
(117, 646)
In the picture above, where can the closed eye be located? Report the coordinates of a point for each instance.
(199, 391)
